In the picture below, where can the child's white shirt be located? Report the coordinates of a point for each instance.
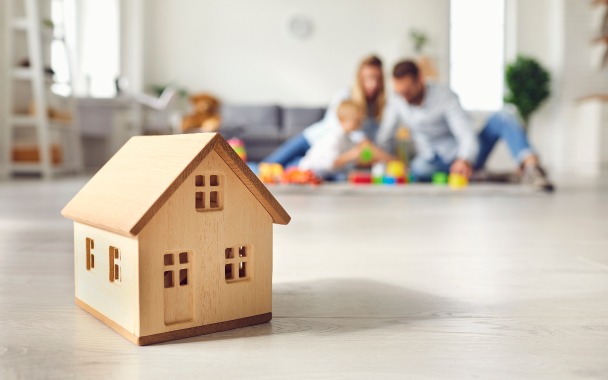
(321, 157)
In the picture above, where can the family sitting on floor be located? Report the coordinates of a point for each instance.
(365, 117)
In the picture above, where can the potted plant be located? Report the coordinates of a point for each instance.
(419, 40)
(528, 86)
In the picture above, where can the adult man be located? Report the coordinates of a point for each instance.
(443, 133)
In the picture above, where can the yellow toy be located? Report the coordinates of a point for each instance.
(173, 245)
(457, 181)
(395, 169)
(270, 172)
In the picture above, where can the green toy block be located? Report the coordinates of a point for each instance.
(440, 178)
(366, 156)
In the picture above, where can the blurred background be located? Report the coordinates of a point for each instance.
(114, 69)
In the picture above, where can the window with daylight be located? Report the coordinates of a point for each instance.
(209, 192)
(176, 269)
(477, 53)
(236, 265)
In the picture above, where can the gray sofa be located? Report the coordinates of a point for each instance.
(264, 127)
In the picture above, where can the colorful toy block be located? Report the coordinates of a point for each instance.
(367, 156)
(440, 178)
(360, 178)
(270, 173)
(395, 169)
(300, 177)
(391, 173)
(457, 181)
(239, 147)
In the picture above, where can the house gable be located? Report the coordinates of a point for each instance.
(134, 184)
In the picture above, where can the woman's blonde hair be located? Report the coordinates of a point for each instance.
(358, 95)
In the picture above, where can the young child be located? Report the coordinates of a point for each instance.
(339, 151)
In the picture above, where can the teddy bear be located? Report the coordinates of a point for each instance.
(205, 116)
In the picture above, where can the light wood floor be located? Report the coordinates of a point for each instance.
(415, 283)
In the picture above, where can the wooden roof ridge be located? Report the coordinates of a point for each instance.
(115, 187)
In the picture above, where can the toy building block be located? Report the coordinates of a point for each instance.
(378, 172)
(239, 147)
(391, 173)
(395, 169)
(360, 178)
(457, 181)
(270, 172)
(300, 177)
(367, 156)
(440, 178)
(173, 245)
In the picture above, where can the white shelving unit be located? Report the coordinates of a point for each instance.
(40, 130)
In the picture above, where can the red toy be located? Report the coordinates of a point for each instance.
(300, 177)
(361, 178)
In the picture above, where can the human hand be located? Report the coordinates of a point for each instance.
(354, 153)
(462, 167)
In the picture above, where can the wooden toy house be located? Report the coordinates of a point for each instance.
(173, 238)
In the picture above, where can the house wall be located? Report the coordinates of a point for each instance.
(117, 301)
(177, 226)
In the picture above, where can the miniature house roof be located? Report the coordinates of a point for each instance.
(133, 185)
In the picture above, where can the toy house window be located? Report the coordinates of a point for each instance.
(90, 255)
(176, 269)
(236, 263)
(115, 265)
(209, 192)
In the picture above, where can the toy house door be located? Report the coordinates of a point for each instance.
(178, 293)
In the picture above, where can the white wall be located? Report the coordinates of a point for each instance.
(240, 50)
(2, 66)
(3, 144)
(558, 33)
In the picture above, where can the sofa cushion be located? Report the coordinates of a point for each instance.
(234, 116)
(295, 119)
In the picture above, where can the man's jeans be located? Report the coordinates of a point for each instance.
(501, 125)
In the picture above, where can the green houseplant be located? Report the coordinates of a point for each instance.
(528, 86)
(419, 39)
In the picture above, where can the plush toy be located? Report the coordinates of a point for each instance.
(205, 116)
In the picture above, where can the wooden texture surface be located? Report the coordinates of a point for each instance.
(117, 300)
(177, 334)
(177, 227)
(132, 186)
(412, 283)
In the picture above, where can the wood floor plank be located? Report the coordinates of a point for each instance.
(418, 282)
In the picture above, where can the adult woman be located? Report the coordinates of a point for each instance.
(367, 92)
